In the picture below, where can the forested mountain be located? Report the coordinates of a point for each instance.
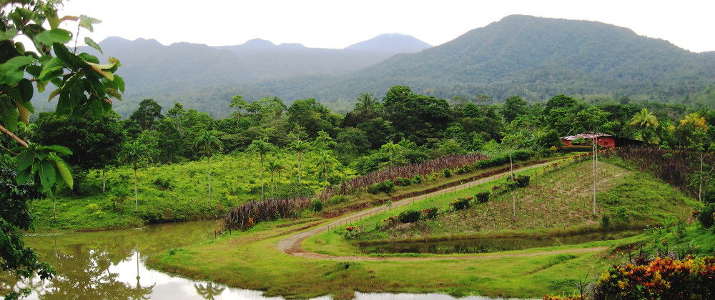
(201, 75)
(530, 57)
(526, 56)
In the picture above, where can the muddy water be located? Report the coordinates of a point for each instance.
(484, 245)
(110, 265)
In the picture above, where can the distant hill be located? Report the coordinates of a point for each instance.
(201, 76)
(527, 56)
(532, 57)
(390, 43)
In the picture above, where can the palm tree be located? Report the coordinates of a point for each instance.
(135, 153)
(208, 291)
(262, 148)
(646, 124)
(273, 168)
(299, 147)
(207, 143)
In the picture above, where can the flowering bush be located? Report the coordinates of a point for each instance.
(660, 278)
(351, 232)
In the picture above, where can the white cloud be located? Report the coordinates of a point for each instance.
(336, 23)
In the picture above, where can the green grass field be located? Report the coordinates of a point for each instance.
(179, 192)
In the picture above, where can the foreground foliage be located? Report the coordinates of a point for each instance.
(659, 278)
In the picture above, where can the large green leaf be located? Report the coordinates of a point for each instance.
(25, 160)
(87, 22)
(90, 42)
(64, 54)
(12, 71)
(64, 172)
(59, 149)
(49, 37)
(48, 175)
(52, 68)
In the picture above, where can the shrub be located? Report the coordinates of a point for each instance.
(417, 179)
(660, 278)
(461, 203)
(337, 199)
(705, 216)
(522, 180)
(447, 173)
(430, 213)
(390, 222)
(316, 205)
(709, 195)
(163, 184)
(482, 197)
(403, 181)
(382, 187)
(409, 216)
(464, 170)
(248, 214)
(605, 222)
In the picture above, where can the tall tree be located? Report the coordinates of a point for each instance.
(148, 113)
(513, 107)
(138, 153)
(262, 148)
(646, 125)
(692, 133)
(418, 117)
(207, 143)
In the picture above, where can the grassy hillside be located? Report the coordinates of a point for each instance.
(179, 192)
(555, 200)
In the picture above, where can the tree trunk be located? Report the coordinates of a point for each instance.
(300, 165)
(104, 182)
(594, 159)
(54, 209)
(511, 166)
(136, 189)
(209, 178)
(263, 194)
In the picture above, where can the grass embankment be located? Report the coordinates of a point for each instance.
(556, 203)
(251, 260)
(433, 182)
(178, 192)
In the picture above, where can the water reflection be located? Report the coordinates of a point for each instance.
(110, 265)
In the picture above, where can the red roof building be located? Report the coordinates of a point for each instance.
(603, 140)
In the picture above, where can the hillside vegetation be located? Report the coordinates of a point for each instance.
(554, 199)
(180, 192)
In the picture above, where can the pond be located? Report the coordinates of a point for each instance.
(484, 245)
(110, 265)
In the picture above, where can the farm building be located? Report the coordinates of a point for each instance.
(603, 140)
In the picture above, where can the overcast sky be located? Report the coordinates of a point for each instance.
(338, 23)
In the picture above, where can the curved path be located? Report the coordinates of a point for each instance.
(292, 244)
